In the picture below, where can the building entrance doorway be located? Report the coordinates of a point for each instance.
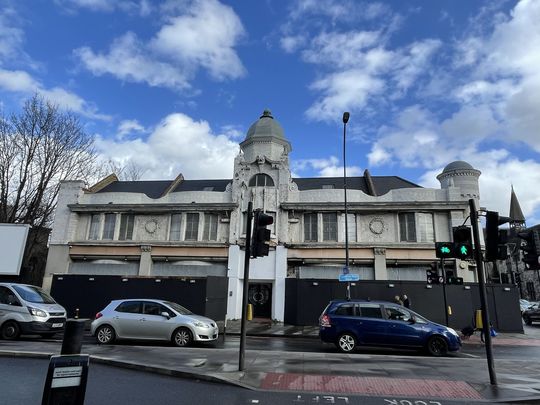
(260, 296)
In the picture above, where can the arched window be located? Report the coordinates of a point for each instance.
(261, 180)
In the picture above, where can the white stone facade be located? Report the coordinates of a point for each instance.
(197, 228)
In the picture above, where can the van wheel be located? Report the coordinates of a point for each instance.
(182, 337)
(437, 346)
(105, 335)
(10, 330)
(346, 342)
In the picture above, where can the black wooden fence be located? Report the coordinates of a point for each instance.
(305, 299)
(91, 293)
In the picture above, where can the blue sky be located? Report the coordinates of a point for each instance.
(173, 86)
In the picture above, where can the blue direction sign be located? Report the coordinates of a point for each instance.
(349, 277)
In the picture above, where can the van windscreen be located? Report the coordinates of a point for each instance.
(33, 294)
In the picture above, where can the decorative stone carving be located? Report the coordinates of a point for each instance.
(146, 248)
(379, 251)
(151, 226)
(377, 226)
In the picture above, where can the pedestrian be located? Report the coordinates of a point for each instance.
(406, 301)
(397, 300)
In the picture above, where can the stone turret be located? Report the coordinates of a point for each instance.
(463, 176)
(265, 138)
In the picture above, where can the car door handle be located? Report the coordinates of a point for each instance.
(142, 319)
(116, 317)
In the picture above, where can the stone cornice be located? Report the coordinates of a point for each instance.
(152, 208)
(366, 206)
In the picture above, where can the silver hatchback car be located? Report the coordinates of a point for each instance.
(153, 320)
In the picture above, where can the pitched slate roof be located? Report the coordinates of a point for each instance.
(383, 184)
(156, 188)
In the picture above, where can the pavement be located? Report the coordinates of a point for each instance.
(389, 376)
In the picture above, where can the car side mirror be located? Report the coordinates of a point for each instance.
(412, 320)
(165, 315)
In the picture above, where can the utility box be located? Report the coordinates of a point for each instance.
(12, 245)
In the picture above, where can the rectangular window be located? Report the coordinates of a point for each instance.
(210, 227)
(310, 227)
(192, 226)
(407, 227)
(126, 227)
(329, 226)
(95, 221)
(425, 227)
(371, 311)
(174, 233)
(108, 226)
(351, 227)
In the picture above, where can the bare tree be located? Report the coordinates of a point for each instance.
(38, 148)
(130, 171)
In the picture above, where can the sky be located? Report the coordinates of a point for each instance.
(173, 86)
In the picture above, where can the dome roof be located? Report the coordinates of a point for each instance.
(265, 126)
(457, 165)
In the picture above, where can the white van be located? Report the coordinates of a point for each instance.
(29, 310)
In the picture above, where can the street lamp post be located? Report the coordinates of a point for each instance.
(345, 120)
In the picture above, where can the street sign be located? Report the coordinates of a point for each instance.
(345, 270)
(349, 277)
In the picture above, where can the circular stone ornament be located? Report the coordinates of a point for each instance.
(376, 226)
(151, 226)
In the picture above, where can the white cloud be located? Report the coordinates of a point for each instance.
(127, 127)
(178, 144)
(329, 167)
(338, 10)
(18, 81)
(11, 37)
(127, 60)
(203, 37)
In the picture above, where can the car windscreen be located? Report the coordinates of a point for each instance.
(33, 294)
(179, 308)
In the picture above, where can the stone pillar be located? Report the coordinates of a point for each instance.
(235, 269)
(380, 264)
(278, 299)
(145, 264)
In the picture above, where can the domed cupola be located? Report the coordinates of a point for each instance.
(462, 175)
(265, 138)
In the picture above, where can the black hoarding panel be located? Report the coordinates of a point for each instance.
(291, 301)
(506, 301)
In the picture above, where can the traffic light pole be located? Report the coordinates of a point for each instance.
(247, 255)
(444, 292)
(483, 296)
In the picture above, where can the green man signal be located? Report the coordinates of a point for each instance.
(463, 250)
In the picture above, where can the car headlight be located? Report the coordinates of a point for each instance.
(453, 332)
(37, 312)
(201, 324)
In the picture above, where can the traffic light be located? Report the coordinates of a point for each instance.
(496, 248)
(462, 242)
(432, 276)
(444, 250)
(531, 250)
(261, 235)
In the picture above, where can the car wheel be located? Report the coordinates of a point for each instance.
(346, 342)
(182, 337)
(105, 335)
(437, 346)
(10, 330)
(527, 320)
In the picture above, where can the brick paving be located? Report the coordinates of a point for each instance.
(377, 386)
(505, 341)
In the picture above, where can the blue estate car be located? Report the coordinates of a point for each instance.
(379, 323)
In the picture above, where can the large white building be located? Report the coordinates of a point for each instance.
(196, 228)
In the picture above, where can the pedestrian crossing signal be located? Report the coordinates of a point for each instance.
(444, 250)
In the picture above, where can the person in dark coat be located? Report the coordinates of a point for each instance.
(406, 301)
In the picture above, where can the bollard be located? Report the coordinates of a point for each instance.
(249, 315)
(479, 324)
(73, 336)
(224, 329)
